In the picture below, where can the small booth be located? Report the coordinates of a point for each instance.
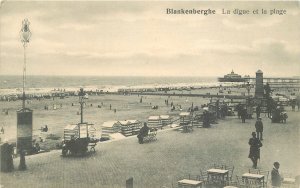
(154, 122)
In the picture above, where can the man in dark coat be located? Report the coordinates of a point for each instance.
(244, 114)
(143, 132)
(259, 128)
(258, 111)
(275, 176)
(206, 121)
(254, 153)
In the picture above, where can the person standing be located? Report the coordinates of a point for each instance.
(259, 128)
(244, 114)
(258, 111)
(143, 132)
(254, 153)
(275, 176)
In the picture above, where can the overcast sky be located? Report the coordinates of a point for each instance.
(140, 39)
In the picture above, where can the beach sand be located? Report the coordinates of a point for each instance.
(127, 107)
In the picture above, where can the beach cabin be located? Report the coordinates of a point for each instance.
(81, 130)
(110, 127)
(165, 120)
(154, 122)
(130, 127)
(197, 117)
(185, 118)
(125, 128)
(135, 125)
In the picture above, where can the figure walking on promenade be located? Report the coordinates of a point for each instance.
(258, 111)
(259, 128)
(143, 132)
(244, 114)
(275, 176)
(254, 153)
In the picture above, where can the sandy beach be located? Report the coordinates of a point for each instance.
(97, 110)
(127, 107)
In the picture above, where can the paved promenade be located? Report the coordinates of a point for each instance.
(164, 161)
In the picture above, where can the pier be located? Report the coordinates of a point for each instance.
(275, 82)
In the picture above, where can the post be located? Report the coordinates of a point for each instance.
(129, 183)
(22, 165)
(24, 77)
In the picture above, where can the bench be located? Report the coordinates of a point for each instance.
(151, 136)
(92, 144)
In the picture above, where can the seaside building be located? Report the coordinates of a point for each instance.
(232, 77)
(154, 122)
(259, 84)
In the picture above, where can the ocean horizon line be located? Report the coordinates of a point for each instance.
(130, 76)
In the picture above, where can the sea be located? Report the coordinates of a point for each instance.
(44, 84)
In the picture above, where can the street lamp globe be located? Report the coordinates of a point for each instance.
(25, 33)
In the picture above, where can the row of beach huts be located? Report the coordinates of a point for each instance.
(111, 130)
(132, 127)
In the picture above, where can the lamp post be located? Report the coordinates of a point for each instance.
(24, 116)
(81, 102)
(81, 95)
(25, 35)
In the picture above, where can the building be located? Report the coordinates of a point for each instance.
(232, 77)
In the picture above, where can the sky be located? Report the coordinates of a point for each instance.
(111, 38)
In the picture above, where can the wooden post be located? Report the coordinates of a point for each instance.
(129, 182)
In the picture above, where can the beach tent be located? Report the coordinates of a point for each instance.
(185, 118)
(165, 120)
(154, 122)
(84, 129)
(110, 127)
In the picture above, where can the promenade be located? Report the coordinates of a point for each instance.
(163, 162)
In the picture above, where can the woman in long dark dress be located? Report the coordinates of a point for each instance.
(254, 153)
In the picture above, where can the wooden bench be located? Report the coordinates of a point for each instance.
(92, 145)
